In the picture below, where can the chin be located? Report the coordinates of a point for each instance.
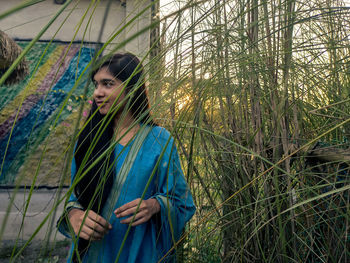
(103, 111)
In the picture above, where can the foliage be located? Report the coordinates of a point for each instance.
(247, 88)
(265, 80)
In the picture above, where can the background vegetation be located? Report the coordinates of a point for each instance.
(252, 89)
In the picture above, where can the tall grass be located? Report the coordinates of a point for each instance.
(256, 90)
(248, 88)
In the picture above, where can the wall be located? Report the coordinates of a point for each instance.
(38, 137)
(27, 23)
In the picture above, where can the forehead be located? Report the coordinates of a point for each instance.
(103, 73)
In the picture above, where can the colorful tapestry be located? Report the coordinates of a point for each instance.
(38, 115)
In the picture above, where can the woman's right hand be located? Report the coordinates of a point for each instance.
(94, 226)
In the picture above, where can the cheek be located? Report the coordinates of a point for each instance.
(122, 96)
(94, 94)
(116, 95)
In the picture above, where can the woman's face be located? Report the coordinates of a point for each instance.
(107, 90)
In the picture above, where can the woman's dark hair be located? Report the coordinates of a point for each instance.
(97, 183)
(127, 68)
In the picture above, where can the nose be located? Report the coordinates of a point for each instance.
(98, 92)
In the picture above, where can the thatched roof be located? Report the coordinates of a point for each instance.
(9, 51)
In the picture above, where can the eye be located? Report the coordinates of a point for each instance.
(94, 82)
(108, 83)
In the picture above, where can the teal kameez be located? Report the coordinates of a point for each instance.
(148, 166)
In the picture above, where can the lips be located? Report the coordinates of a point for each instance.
(99, 103)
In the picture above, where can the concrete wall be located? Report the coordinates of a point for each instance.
(41, 203)
(27, 23)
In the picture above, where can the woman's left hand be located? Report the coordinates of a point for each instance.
(146, 210)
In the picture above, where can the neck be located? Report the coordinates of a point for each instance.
(122, 128)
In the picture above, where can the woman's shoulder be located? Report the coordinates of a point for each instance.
(160, 135)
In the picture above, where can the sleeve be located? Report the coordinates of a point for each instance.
(62, 224)
(174, 197)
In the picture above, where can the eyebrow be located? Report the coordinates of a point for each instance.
(105, 80)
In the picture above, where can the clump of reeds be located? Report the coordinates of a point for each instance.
(9, 51)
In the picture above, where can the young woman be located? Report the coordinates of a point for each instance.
(130, 200)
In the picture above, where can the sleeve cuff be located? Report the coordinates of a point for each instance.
(62, 223)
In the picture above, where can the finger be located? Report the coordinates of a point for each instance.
(128, 212)
(138, 216)
(95, 226)
(139, 222)
(99, 219)
(89, 234)
(85, 236)
(127, 206)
